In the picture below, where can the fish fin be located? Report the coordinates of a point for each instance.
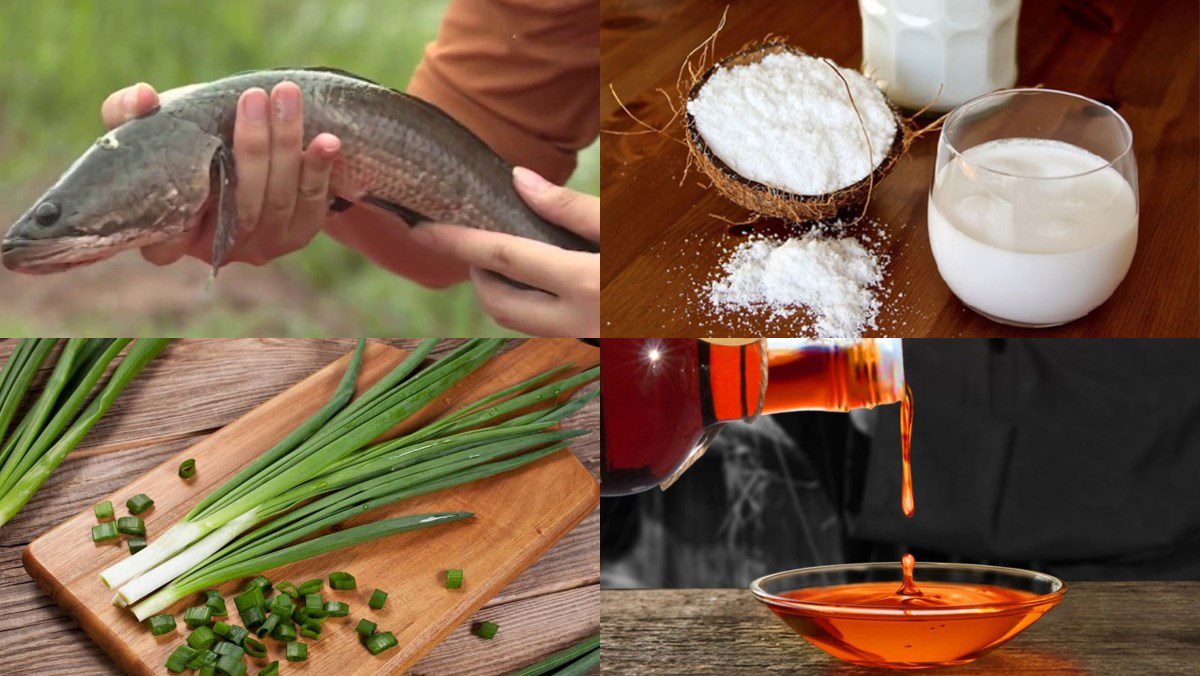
(411, 217)
(339, 204)
(226, 208)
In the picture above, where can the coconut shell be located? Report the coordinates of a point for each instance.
(767, 200)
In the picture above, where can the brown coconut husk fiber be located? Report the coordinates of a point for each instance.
(770, 201)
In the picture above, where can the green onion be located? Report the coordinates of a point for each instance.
(104, 532)
(187, 469)
(378, 598)
(214, 600)
(271, 669)
(342, 581)
(62, 414)
(237, 635)
(202, 657)
(365, 627)
(313, 601)
(139, 503)
(250, 598)
(253, 616)
(561, 658)
(288, 588)
(263, 584)
(267, 626)
(583, 665)
(486, 630)
(136, 544)
(281, 605)
(255, 648)
(104, 510)
(177, 661)
(296, 652)
(131, 525)
(284, 632)
(221, 628)
(229, 648)
(454, 578)
(161, 624)
(230, 665)
(311, 630)
(201, 638)
(380, 642)
(196, 616)
(337, 609)
(313, 586)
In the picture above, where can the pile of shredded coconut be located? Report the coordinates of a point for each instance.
(787, 122)
(833, 279)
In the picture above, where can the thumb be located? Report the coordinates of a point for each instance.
(561, 206)
(126, 104)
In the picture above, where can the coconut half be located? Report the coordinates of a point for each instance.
(775, 201)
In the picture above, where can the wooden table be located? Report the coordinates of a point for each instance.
(1100, 627)
(662, 240)
(194, 388)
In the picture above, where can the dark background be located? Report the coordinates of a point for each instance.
(1079, 458)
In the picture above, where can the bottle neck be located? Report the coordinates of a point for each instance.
(832, 375)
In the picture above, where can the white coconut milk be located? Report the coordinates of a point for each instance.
(967, 47)
(1032, 231)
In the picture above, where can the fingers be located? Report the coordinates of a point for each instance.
(126, 104)
(287, 139)
(572, 210)
(252, 159)
(312, 197)
(525, 260)
(525, 310)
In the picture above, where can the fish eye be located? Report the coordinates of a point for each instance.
(108, 142)
(46, 213)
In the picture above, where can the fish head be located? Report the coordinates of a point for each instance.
(144, 182)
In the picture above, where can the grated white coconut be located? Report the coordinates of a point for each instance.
(787, 122)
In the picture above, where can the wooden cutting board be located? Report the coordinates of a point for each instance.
(519, 515)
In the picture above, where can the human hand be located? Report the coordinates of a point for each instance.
(282, 192)
(568, 302)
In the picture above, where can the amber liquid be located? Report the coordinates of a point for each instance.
(663, 398)
(899, 641)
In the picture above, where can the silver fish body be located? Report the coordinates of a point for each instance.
(151, 178)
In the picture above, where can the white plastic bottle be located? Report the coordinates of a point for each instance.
(967, 47)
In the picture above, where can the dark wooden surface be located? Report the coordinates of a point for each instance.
(194, 388)
(661, 238)
(1099, 628)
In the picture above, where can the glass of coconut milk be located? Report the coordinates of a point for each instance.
(1034, 206)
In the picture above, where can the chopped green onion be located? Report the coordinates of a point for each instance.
(267, 626)
(197, 615)
(337, 609)
(139, 503)
(380, 642)
(305, 614)
(261, 582)
(208, 670)
(288, 588)
(296, 652)
(313, 601)
(214, 600)
(255, 648)
(161, 624)
(378, 598)
(177, 661)
(201, 638)
(342, 581)
(312, 630)
(253, 616)
(227, 648)
(252, 597)
(203, 658)
(221, 628)
(271, 669)
(486, 630)
(131, 525)
(313, 586)
(284, 632)
(187, 469)
(237, 635)
(281, 605)
(561, 658)
(230, 665)
(365, 627)
(584, 665)
(104, 510)
(454, 578)
(104, 532)
(136, 544)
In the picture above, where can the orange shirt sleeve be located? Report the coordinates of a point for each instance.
(522, 74)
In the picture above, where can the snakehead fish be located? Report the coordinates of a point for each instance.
(152, 178)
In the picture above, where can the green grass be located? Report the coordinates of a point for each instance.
(59, 59)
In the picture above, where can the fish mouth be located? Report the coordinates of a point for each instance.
(40, 257)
